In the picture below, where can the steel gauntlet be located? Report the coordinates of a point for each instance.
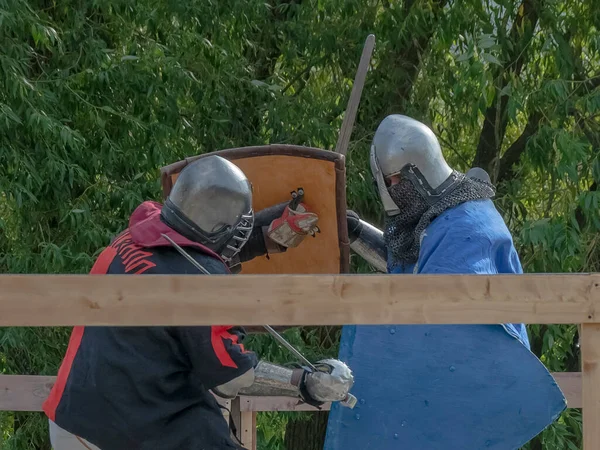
(331, 382)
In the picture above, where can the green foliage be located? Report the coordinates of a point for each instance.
(96, 96)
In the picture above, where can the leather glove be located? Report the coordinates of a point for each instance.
(331, 382)
(296, 222)
(354, 225)
(273, 231)
(264, 217)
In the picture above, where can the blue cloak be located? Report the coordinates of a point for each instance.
(451, 387)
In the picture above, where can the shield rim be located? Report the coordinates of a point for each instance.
(233, 154)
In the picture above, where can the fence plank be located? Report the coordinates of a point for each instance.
(570, 385)
(64, 300)
(24, 392)
(590, 356)
(260, 404)
(28, 392)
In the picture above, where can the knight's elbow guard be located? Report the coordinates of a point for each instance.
(367, 241)
(232, 388)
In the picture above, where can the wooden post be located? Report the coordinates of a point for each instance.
(236, 417)
(248, 430)
(590, 355)
(226, 407)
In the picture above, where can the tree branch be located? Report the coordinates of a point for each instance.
(303, 72)
(579, 214)
(495, 119)
(552, 195)
(405, 57)
(512, 155)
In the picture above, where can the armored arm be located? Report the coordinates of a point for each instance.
(260, 243)
(274, 380)
(331, 382)
(367, 241)
(278, 228)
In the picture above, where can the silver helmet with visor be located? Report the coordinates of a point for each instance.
(211, 203)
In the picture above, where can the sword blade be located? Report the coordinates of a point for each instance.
(289, 346)
(357, 88)
(349, 401)
(195, 263)
(273, 333)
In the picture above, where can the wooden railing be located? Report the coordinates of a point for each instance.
(28, 392)
(66, 300)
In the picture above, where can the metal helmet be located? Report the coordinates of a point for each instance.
(407, 147)
(211, 203)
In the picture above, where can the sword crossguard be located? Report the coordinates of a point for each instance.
(349, 401)
(297, 197)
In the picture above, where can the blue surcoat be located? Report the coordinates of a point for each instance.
(451, 387)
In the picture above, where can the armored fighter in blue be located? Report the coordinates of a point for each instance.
(451, 387)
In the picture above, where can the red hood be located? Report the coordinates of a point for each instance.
(146, 228)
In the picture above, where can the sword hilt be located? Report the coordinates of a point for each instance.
(349, 401)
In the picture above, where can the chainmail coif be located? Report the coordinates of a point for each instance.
(403, 232)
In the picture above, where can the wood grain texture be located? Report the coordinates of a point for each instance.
(66, 300)
(24, 392)
(590, 356)
(28, 392)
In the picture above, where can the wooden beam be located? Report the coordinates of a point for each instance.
(64, 300)
(260, 404)
(24, 392)
(590, 356)
(28, 392)
(570, 385)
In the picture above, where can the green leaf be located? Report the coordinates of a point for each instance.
(488, 57)
(108, 109)
(596, 170)
(259, 83)
(464, 57)
(486, 42)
